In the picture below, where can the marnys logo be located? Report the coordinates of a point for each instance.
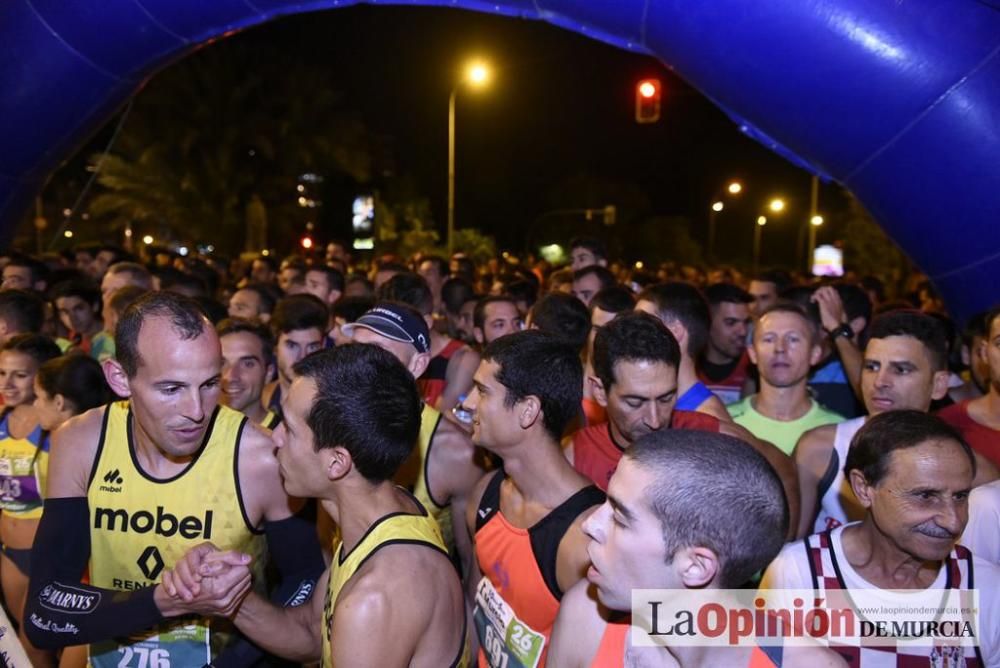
(63, 598)
(163, 523)
(114, 481)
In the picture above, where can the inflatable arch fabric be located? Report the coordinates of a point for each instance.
(899, 100)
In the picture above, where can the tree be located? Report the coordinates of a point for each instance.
(868, 249)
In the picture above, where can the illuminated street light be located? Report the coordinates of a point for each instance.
(68, 234)
(735, 188)
(762, 220)
(148, 239)
(477, 75)
(718, 206)
(814, 224)
(816, 221)
(777, 205)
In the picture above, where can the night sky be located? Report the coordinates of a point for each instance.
(560, 105)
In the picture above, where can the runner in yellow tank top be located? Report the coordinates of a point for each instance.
(446, 466)
(134, 485)
(351, 417)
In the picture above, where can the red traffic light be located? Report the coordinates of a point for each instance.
(647, 101)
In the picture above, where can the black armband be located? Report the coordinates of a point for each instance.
(297, 561)
(60, 610)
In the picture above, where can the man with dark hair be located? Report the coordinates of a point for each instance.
(254, 301)
(587, 251)
(684, 311)
(525, 518)
(724, 365)
(973, 353)
(495, 316)
(345, 311)
(351, 417)
(291, 272)
(588, 281)
(446, 466)
(21, 312)
(78, 307)
(458, 297)
(121, 274)
(107, 255)
(325, 283)
(247, 363)
(24, 273)
(635, 379)
(675, 518)
(134, 485)
(785, 346)
(911, 473)
(765, 289)
(978, 419)
(564, 316)
(298, 325)
(264, 269)
(905, 368)
(449, 374)
(604, 307)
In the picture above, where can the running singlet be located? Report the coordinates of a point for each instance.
(828, 566)
(982, 439)
(611, 652)
(393, 528)
(429, 421)
(729, 386)
(518, 597)
(836, 500)
(140, 525)
(24, 466)
(271, 420)
(695, 396)
(596, 455)
(432, 382)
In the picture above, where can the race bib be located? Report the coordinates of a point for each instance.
(179, 646)
(19, 488)
(507, 642)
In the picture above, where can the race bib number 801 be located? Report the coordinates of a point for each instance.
(507, 642)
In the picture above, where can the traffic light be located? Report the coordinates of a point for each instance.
(647, 101)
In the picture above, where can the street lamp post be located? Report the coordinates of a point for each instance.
(757, 230)
(476, 74)
(734, 188)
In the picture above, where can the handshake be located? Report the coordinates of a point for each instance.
(205, 581)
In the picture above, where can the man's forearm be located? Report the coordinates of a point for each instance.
(291, 633)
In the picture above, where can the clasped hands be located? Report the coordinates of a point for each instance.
(205, 581)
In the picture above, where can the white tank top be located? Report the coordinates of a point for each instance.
(837, 503)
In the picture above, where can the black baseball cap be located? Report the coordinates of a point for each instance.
(396, 322)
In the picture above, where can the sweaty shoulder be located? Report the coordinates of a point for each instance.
(73, 449)
(713, 406)
(816, 440)
(578, 629)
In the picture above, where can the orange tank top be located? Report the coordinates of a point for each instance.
(611, 652)
(594, 412)
(518, 596)
(596, 455)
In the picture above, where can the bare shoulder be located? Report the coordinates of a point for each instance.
(73, 449)
(815, 442)
(578, 629)
(260, 479)
(475, 498)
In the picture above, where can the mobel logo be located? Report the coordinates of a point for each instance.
(163, 523)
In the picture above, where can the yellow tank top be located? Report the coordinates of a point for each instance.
(24, 466)
(429, 420)
(393, 528)
(140, 525)
(271, 421)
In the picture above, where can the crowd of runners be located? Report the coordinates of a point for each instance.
(433, 462)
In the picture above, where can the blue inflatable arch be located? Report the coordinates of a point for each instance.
(899, 100)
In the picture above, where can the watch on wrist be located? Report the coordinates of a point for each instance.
(843, 330)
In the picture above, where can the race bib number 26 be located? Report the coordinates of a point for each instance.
(507, 642)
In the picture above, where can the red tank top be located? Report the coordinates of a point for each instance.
(728, 389)
(520, 566)
(594, 412)
(983, 440)
(596, 455)
(434, 378)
